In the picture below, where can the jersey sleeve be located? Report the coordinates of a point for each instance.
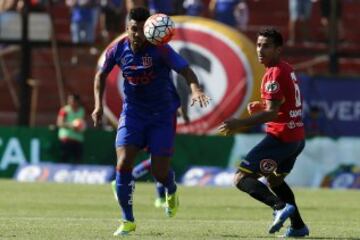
(271, 86)
(62, 112)
(109, 62)
(172, 58)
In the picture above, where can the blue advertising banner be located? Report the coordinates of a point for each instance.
(208, 176)
(64, 173)
(344, 176)
(331, 105)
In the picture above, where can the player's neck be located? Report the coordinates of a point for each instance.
(273, 62)
(136, 49)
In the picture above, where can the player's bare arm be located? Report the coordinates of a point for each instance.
(197, 94)
(99, 87)
(255, 107)
(269, 113)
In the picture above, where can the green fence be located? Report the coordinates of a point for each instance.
(20, 145)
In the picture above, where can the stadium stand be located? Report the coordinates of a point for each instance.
(308, 58)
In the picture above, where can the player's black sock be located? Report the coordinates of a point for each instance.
(284, 192)
(260, 192)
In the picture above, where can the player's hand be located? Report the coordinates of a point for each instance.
(97, 116)
(229, 126)
(199, 96)
(254, 107)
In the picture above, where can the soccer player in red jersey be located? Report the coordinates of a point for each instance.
(280, 109)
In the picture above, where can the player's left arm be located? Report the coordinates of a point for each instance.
(269, 113)
(197, 94)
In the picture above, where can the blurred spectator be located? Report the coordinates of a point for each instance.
(299, 14)
(38, 5)
(71, 124)
(326, 9)
(83, 22)
(8, 5)
(112, 19)
(194, 7)
(224, 11)
(241, 14)
(135, 3)
(82, 30)
(178, 7)
(161, 6)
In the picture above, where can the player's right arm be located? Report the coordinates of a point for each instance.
(60, 120)
(100, 83)
(99, 88)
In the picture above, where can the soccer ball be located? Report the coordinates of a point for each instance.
(159, 29)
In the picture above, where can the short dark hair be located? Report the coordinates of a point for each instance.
(272, 33)
(139, 14)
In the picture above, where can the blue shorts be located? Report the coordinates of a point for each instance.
(272, 155)
(155, 132)
(300, 9)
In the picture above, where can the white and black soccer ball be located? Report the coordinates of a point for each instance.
(159, 29)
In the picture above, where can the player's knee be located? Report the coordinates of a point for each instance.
(239, 180)
(124, 165)
(237, 177)
(275, 180)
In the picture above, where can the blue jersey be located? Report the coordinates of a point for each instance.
(148, 87)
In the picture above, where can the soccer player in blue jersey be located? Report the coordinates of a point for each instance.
(144, 167)
(148, 118)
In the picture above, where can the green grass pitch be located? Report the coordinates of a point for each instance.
(67, 211)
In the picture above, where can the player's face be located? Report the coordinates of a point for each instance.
(136, 34)
(268, 53)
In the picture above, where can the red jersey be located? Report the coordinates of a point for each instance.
(280, 83)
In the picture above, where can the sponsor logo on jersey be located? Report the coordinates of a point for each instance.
(147, 61)
(292, 124)
(272, 87)
(295, 113)
(143, 79)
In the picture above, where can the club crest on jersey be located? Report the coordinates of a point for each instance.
(147, 61)
(272, 87)
(267, 166)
